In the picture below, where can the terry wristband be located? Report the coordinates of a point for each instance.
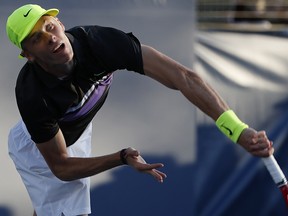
(230, 125)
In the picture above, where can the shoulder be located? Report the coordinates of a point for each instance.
(28, 88)
(101, 34)
(92, 31)
(113, 47)
(26, 78)
(92, 36)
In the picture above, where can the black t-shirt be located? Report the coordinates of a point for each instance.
(47, 103)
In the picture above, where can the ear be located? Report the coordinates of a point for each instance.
(27, 55)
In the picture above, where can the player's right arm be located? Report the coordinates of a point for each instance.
(176, 76)
(70, 168)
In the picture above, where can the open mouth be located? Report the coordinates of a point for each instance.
(59, 48)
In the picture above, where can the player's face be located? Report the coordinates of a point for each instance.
(47, 43)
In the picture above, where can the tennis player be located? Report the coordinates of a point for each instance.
(63, 84)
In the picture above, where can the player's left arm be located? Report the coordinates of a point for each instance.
(176, 76)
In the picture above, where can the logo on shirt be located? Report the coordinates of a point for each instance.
(25, 15)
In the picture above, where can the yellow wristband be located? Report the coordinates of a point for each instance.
(230, 125)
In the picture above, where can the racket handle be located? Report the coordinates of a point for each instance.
(277, 175)
(275, 171)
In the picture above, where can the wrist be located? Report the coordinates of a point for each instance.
(229, 124)
(123, 156)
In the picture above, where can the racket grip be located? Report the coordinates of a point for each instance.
(275, 171)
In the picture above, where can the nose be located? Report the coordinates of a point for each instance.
(50, 37)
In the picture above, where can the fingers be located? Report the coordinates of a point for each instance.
(152, 170)
(261, 146)
(158, 175)
(135, 160)
(262, 152)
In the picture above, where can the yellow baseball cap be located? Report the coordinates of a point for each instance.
(21, 22)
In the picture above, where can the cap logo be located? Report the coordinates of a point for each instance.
(25, 15)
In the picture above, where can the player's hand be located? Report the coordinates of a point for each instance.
(257, 143)
(135, 160)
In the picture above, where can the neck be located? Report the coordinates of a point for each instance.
(61, 70)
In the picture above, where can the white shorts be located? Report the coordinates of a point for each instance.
(49, 195)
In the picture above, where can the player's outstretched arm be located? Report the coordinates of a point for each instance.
(69, 168)
(176, 76)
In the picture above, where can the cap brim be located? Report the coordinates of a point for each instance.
(52, 12)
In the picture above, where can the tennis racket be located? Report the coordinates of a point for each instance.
(277, 175)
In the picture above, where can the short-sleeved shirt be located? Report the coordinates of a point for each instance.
(47, 103)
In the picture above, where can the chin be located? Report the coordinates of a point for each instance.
(69, 56)
(66, 58)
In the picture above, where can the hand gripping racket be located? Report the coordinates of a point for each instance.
(277, 175)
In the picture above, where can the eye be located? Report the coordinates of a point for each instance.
(49, 26)
(36, 37)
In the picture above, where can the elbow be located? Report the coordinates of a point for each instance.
(192, 79)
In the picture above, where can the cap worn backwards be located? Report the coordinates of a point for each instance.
(21, 22)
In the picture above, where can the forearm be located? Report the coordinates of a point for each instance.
(76, 168)
(198, 92)
(72, 168)
(69, 168)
